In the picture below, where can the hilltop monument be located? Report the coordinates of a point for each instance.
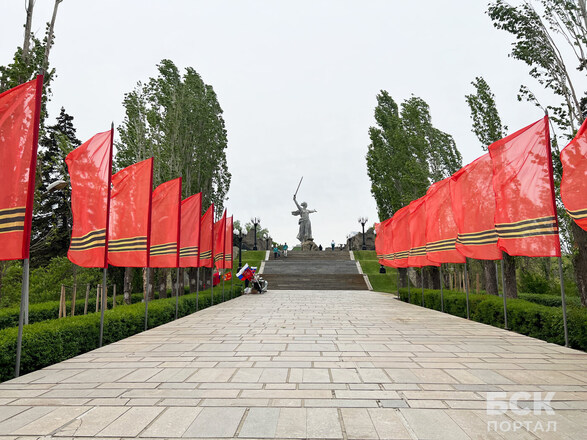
(305, 231)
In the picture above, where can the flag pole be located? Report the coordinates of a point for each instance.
(148, 248)
(422, 278)
(505, 306)
(24, 293)
(197, 283)
(441, 291)
(212, 265)
(177, 253)
(467, 287)
(104, 277)
(560, 260)
(408, 277)
(397, 273)
(199, 252)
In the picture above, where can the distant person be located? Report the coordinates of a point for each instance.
(275, 252)
(320, 247)
(285, 250)
(332, 245)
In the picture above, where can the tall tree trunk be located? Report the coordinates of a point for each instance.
(490, 275)
(435, 277)
(509, 275)
(580, 261)
(50, 34)
(181, 282)
(403, 277)
(162, 278)
(26, 45)
(192, 277)
(127, 286)
(150, 290)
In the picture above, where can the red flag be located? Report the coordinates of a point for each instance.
(207, 237)
(219, 240)
(165, 218)
(574, 181)
(473, 207)
(228, 244)
(130, 215)
(90, 171)
(525, 214)
(441, 229)
(20, 112)
(191, 208)
(400, 231)
(384, 242)
(417, 256)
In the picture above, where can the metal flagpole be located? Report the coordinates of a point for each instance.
(105, 277)
(441, 291)
(222, 286)
(422, 277)
(467, 287)
(104, 294)
(212, 282)
(197, 287)
(147, 298)
(564, 302)
(398, 296)
(505, 307)
(23, 295)
(177, 293)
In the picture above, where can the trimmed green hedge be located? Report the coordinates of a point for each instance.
(48, 342)
(527, 318)
(50, 310)
(550, 300)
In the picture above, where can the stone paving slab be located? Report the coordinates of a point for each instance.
(306, 365)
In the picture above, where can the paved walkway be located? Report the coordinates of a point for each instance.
(304, 364)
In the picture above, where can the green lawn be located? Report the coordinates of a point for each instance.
(386, 282)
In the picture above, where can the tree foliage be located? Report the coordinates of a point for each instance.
(407, 153)
(177, 119)
(487, 124)
(536, 30)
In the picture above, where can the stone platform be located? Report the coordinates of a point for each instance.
(304, 364)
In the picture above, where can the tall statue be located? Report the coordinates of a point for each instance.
(304, 221)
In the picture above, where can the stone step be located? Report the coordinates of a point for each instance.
(315, 282)
(317, 255)
(307, 267)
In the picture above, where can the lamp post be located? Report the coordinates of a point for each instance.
(268, 242)
(255, 221)
(239, 234)
(363, 221)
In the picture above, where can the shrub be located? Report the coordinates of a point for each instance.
(528, 318)
(51, 341)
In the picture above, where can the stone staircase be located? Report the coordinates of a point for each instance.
(325, 270)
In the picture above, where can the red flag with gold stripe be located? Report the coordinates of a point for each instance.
(384, 242)
(525, 214)
(207, 238)
(228, 243)
(90, 171)
(417, 256)
(574, 181)
(400, 231)
(219, 240)
(165, 219)
(473, 207)
(441, 229)
(130, 215)
(191, 209)
(20, 110)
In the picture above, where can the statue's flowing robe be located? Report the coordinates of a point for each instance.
(305, 232)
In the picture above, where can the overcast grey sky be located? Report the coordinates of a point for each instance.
(297, 81)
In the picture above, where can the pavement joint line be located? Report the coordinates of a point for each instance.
(241, 423)
(342, 426)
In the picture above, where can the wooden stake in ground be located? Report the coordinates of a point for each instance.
(97, 297)
(87, 298)
(62, 302)
(73, 295)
